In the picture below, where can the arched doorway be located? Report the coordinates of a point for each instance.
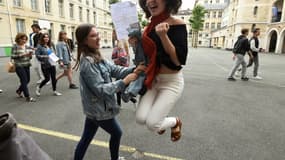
(272, 41)
(281, 47)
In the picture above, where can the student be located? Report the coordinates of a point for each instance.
(45, 48)
(165, 44)
(22, 55)
(98, 91)
(64, 54)
(242, 48)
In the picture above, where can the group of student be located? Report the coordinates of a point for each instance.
(42, 47)
(241, 47)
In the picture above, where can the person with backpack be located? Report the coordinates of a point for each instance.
(241, 46)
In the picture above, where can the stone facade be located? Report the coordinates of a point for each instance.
(53, 16)
(268, 15)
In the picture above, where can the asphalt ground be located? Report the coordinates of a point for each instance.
(222, 120)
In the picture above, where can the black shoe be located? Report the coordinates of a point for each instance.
(72, 86)
(231, 79)
(244, 78)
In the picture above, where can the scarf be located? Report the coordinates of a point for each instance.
(150, 48)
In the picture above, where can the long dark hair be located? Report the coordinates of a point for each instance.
(81, 34)
(41, 40)
(172, 6)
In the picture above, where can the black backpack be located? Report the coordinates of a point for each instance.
(238, 46)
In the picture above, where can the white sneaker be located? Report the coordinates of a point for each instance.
(121, 158)
(237, 74)
(56, 93)
(48, 83)
(38, 91)
(257, 78)
(1, 90)
(39, 81)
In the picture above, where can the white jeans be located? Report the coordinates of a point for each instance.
(158, 101)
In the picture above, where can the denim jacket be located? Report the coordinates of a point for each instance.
(63, 52)
(97, 89)
(42, 55)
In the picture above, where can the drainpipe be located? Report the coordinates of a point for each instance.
(10, 20)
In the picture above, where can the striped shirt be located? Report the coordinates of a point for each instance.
(20, 61)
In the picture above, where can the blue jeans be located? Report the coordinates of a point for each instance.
(24, 76)
(90, 128)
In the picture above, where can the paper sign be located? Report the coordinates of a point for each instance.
(125, 18)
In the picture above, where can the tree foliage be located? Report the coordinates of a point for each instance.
(197, 21)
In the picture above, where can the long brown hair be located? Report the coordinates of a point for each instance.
(60, 36)
(81, 34)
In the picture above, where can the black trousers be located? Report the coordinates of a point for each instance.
(49, 73)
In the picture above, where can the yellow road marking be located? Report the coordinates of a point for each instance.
(93, 142)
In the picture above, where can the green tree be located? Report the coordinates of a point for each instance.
(113, 1)
(197, 21)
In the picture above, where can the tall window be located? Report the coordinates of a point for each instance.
(214, 15)
(20, 24)
(80, 14)
(94, 3)
(207, 26)
(62, 27)
(34, 5)
(105, 18)
(88, 15)
(255, 10)
(60, 8)
(219, 25)
(213, 25)
(94, 18)
(48, 6)
(220, 14)
(71, 12)
(87, 2)
(104, 4)
(17, 3)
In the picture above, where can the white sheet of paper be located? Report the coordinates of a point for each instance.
(123, 15)
(53, 59)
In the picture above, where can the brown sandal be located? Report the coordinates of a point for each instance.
(176, 130)
(161, 132)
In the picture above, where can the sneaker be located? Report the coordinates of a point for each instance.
(1, 91)
(257, 78)
(19, 93)
(121, 158)
(231, 79)
(30, 99)
(48, 83)
(56, 93)
(38, 91)
(39, 81)
(237, 73)
(72, 86)
(244, 78)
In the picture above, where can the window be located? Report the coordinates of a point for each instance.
(48, 6)
(213, 25)
(88, 15)
(94, 18)
(34, 5)
(207, 26)
(253, 26)
(87, 2)
(20, 24)
(220, 14)
(94, 3)
(214, 15)
(219, 25)
(71, 12)
(60, 8)
(17, 3)
(62, 27)
(105, 18)
(255, 10)
(80, 14)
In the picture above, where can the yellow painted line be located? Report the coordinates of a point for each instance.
(93, 142)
